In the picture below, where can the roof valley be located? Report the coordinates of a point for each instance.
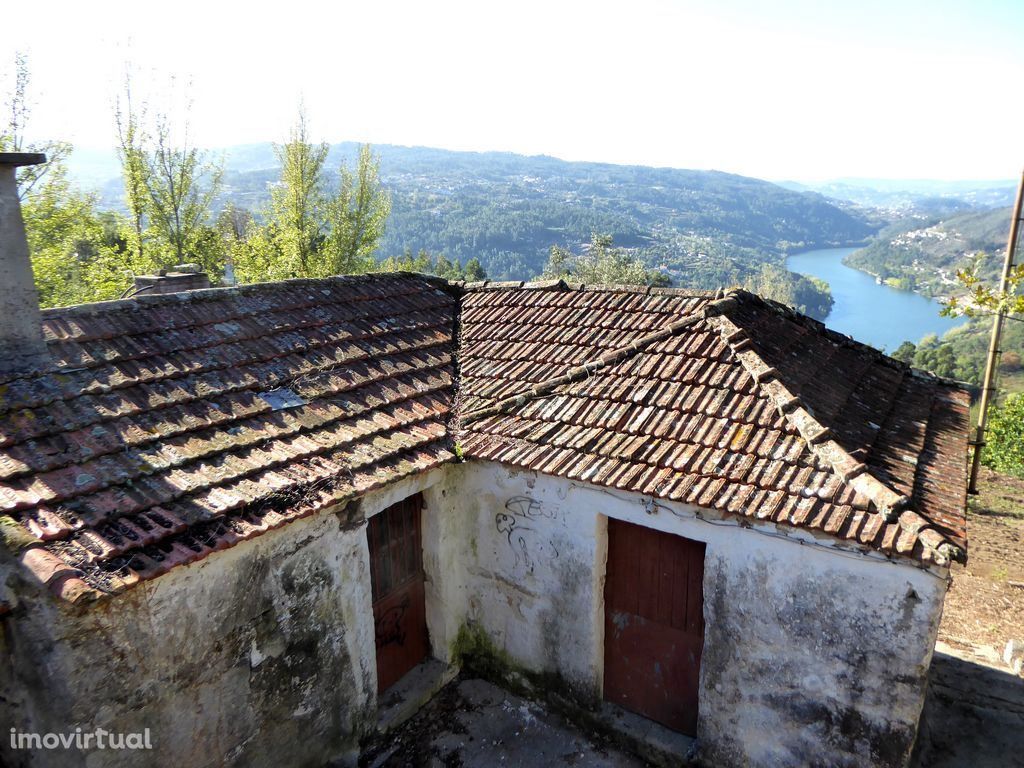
(583, 371)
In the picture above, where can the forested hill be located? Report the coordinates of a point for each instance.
(508, 210)
(924, 255)
(703, 229)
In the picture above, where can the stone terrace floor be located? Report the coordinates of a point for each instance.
(474, 724)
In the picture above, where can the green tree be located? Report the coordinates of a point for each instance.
(357, 215)
(441, 266)
(474, 271)
(982, 299)
(905, 352)
(77, 253)
(235, 226)
(808, 295)
(12, 136)
(1004, 439)
(70, 258)
(297, 204)
(131, 152)
(601, 263)
(256, 256)
(181, 184)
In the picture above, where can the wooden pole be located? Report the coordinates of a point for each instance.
(988, 387)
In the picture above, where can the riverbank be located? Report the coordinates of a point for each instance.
(869, 311)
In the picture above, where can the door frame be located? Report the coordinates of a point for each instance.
(413, 587)
(603, 554)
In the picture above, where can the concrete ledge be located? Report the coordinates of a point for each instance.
(645, 738)
(405, 698)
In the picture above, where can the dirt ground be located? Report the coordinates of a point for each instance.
(984, 606)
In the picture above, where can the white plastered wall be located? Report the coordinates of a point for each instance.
(812, 651)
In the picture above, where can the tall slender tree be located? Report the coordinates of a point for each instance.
(181, 184)
(297, 204)
(358, 215)
(134, 166)
(12, 135)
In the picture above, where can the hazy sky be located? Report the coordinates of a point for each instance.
(803, 90)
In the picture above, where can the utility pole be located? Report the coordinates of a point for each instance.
(988, 387)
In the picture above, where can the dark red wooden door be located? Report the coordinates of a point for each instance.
(654, 624)
(396, 577)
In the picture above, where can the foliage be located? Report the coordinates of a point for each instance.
(297, 204)
(601, 263)
(1004, 438)
(357, 216)
(809, 295)
(441, 266)
(925, 254)
(181, 184)
(940, 358)
(134, 166)
(78, 254)
(982, 299)
(12, 136)
(234, 226)
(307, 232)
(961, 353)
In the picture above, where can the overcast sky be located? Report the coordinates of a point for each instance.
(800, 90)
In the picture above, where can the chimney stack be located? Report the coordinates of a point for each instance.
(180, 277)
(22, 348)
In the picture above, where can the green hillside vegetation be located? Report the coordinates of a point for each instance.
(960, 353)
(700, 229)
(924, 254)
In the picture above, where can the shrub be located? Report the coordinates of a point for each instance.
(1010, 362)
(1004, 440)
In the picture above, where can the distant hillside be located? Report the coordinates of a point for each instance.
(902, 197)
(925, 255)
(703, 228)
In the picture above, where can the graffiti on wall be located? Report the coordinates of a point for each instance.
(390, 627)
(527, 545)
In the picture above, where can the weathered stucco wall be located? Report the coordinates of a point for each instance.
(259, 655)
(812, 655)
(264, 654)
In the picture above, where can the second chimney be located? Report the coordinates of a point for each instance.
(22, 348)
(180, 277)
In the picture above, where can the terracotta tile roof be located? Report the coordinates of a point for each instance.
(174, 426)
(735, 404)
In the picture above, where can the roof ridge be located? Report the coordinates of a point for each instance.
(852, 472)
(576, 373)
(562, 285)
(148, 300)
(837, 337)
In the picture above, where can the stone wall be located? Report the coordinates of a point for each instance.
(261, 655)
(812, 655)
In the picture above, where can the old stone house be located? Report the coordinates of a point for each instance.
(236, 516)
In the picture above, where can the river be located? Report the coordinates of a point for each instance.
(876, 314)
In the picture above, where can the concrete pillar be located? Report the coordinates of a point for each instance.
(21, 335)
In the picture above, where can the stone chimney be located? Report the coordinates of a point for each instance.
(22, 347)
(180, 277)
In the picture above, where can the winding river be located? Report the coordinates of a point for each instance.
(876, 314)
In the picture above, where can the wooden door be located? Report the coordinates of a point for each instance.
(396, 578)
(654, 624)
